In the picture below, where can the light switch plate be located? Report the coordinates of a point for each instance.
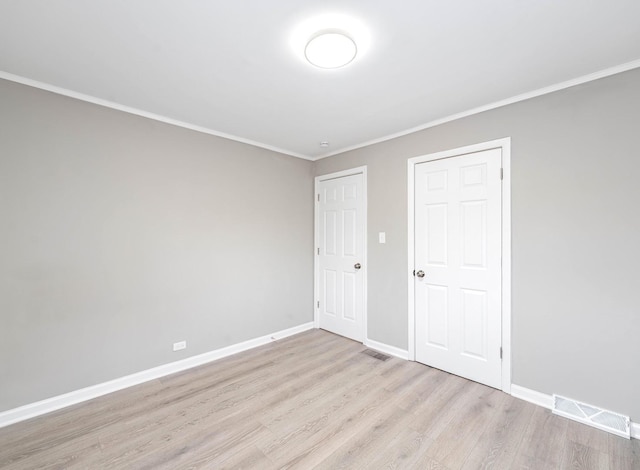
(382, 237)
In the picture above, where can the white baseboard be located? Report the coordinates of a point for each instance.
(48, 405)
(385, 348)
(532, 396)
(546, 401)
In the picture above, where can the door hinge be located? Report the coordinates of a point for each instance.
(318, 197)
(318, 250)
(318, 304)
(500, 352)
(501, 173)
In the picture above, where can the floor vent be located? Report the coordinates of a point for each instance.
(593, 416)
(376, 354)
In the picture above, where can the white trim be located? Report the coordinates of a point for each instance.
(532, 396)
(505, 145)
(340, 174)
(470, 112)
(497, 104)
(411, 226)
(506, 265)
(387, 349)
(546, 401)
(77, 396)
(146, 114)
(316, 241)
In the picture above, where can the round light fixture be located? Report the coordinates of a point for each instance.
(330, 50)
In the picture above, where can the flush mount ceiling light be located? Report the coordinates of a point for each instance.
(330, 50)
(330, 41)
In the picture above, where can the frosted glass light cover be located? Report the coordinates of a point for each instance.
(330, 50)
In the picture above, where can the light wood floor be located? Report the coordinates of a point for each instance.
(311, 401)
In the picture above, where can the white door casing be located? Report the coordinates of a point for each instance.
(459, 318)
(340, 253)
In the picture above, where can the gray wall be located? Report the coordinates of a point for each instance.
(575, 235)
(121, 235)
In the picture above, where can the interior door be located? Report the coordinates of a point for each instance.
(458, 312)
(340, 251)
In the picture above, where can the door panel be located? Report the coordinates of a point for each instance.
(437, 229)
(350, 232)
(457, 236)
(473, 219)
(474, 320)
(437, 331)
(341, 246)
(330, 291)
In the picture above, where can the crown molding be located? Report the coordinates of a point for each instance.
(139, 112)
(157, 117)
(497, 104)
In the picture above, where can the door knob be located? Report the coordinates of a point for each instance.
(357, 265)
(420, 274)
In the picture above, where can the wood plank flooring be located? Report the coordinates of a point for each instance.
(311, 401)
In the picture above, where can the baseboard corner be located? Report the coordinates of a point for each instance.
(387, 349)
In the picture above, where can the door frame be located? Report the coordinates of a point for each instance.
(505, 145)
(316, 242)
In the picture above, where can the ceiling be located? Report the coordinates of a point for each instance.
(229, 67)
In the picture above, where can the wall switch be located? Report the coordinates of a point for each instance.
(382, 237)
(179, 345)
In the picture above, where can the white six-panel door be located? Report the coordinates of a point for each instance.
(340, 257)
(458, 265)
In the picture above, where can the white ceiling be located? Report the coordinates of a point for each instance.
(229, 67)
